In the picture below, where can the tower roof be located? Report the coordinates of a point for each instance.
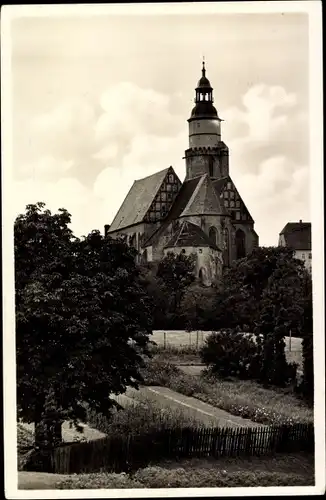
(204, 99)
(204, 82)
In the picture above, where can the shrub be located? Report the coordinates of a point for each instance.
(158, 477)
(98, 480)
(231, 353)
(142, 418)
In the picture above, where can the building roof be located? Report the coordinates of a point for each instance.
(138, 200)
(180, 203)
(297, 235)
(190, 235)
(204, 200)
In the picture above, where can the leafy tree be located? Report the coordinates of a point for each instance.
(177, 273)
(158, 294)
(82, 321)
(281, 310)
(230, 353)
(196, 306)
(239, 297)
(307, 386)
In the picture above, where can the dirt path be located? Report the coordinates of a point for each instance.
(202, 412)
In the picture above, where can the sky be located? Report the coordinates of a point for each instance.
(99, 101)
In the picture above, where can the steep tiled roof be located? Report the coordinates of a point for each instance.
(177, 208)
(138, 201)
(297, 235)
(190, 235)
(204, 199)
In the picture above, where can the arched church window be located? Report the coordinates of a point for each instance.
(211, 166)
(240, 242)
(213, 234)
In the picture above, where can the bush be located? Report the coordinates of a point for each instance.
(98, 480)
(142, 418)
(158, 477)
(229, 353)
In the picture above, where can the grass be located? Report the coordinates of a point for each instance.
(144, 416)
(243, 398)
(290, 470)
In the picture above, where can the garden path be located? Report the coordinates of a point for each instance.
(204, 413)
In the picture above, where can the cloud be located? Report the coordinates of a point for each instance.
(269, 158)
(89, 153)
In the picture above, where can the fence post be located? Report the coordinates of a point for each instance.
(290, 341)
(197, 340)
(164, 341)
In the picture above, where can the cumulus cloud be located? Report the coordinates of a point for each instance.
(269, 158)
(89, 153)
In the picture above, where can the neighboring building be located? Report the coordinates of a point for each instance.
(297, 235)
(204, 215)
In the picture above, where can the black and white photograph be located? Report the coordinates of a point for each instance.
(163, 249)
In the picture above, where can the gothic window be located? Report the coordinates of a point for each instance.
(183, 251)
(202, 275)
(226, 246)
(240, 242)
(213, 234)
(211, 167)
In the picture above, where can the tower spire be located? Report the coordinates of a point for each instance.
(204, 69)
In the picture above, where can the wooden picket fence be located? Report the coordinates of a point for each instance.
(122, 453)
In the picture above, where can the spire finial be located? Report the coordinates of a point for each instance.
(204, 69)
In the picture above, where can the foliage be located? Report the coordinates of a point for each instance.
(307, 387)
(158, 477)
(238, 298)
(281, 311)
(82, 320)
(176, 272)
(101, 480)
(197, 305)
(232, 353)
(141, 417)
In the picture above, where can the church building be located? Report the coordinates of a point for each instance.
(203, 215)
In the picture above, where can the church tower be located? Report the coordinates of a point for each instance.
(207, 154)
